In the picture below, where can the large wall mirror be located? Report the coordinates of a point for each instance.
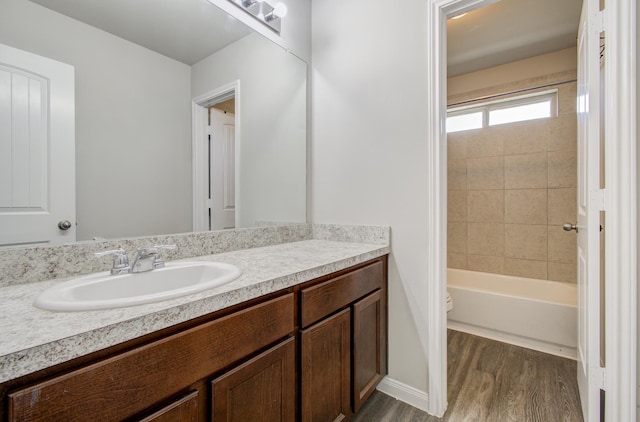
(148, 75)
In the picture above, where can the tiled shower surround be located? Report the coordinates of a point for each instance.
(511, 188)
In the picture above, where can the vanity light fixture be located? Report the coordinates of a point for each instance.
(249, 3)
(264, 12)
(279, 11)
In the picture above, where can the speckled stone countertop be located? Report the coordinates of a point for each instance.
(32, 339)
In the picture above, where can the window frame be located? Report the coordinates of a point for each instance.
(486, 107)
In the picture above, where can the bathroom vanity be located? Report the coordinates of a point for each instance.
(313, 350)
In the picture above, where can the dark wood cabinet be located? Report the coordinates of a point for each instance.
(344, 355)
(262, 389)
(313, 352)
(369, 346)
(326, 369)
(185, 409)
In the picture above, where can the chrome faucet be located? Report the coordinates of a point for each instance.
(120, 261)
(148, 259)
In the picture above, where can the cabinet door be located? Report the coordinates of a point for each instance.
(184, 409)
(326, 367)
(369, 346)
(262, 389)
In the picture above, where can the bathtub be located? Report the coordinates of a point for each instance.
(537, 314)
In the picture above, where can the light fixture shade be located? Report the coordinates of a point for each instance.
(280, 10)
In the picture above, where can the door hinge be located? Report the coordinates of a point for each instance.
(209, 203)
(598, 377)
(208, 130)
(598, 200)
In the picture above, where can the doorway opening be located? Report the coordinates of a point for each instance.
(439, 11)
(216, 139)
(222, 147)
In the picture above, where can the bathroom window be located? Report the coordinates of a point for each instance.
(541, 105)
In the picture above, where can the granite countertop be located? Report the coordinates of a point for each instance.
(34, 339)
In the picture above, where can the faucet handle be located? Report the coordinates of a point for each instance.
(120, 261)
(158, 262)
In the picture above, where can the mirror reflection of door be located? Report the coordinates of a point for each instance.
(37, 149)
(222, 208)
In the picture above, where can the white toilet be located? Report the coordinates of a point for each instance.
(449, 302)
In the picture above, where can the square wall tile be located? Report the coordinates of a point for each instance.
(525, 206)
(457, 175)
(485, 173)
(563, 172)
(457, 238)
(567, 94)
(562, 272)
(563, 133)
(524, 241)
(457, 205)
(562, 245)
(456, 146)
(483, 143)
(457, 260)
(485, 264)
(525, 171)
(485, 206)
(562, 206)
(563, 75)
(485, 239)
(524, 137)
(526, 268)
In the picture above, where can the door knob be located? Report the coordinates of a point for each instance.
(64, 225)
(568, 227)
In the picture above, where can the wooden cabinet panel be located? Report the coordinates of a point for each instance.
(326, 367)
(184, 409)
(262, 389)
(128, 383)
(369, 346)
(325, 298)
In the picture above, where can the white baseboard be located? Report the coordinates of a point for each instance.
(526, 342)
(404, 392)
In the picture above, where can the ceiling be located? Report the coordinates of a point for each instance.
(510, 30)
(185, 30)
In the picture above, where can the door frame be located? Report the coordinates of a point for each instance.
(200, 149)
(621, 204)
(621, 236)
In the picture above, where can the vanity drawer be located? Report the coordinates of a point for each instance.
(325, 298)
(127, 384)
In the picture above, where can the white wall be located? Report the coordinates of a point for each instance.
(369, 152)
(133, 123)
(272, 145)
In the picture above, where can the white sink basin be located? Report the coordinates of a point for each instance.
(106, 291)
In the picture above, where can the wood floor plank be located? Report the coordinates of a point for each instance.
(489, 381)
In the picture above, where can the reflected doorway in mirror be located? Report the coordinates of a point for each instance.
(222, 146)
(216, 127)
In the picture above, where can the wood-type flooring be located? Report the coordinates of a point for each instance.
(489, 381)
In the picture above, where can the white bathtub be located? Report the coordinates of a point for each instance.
(537, 314)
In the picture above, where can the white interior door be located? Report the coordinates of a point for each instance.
(590, 203)
(222, 169)
(37, 149)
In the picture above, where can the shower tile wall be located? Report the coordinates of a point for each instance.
(511, 188)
